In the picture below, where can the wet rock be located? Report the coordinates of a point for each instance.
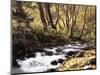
(54, 62)
(49, 53)
(58, 50)
(66, 56)
(70, 53)
(31, 55)
(93, 61)
(81, 54)
(60, 61)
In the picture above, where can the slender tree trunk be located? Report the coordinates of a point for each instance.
(42, 16)
(73, 21)
(50, 16)
(84, 22)
(57, 11)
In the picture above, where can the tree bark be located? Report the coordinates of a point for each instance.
(73, 21)
(42, 16)
(50, 15)
(84, 22)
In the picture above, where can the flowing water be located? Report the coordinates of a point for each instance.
(50, 58)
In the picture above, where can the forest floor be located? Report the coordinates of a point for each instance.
(83, 61)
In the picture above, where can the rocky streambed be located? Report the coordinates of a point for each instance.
(61, 58)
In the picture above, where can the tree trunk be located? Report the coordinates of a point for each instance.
(42, 16)
(73, 21)
(84, 22)
(50, 15)
(57, 11)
